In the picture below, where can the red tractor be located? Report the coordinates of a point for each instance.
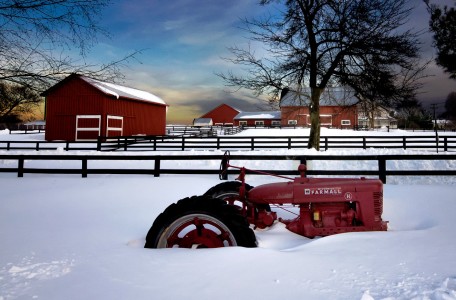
(225, 214)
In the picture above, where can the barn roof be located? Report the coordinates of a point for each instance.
(269, 115)
(221, 105)
(114, 90)
(123, 91)
(330, 97)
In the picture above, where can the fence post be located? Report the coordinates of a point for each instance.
(8, 146)
(404, 142)
(99, 143)
(157, 168)
(289, 142)
(445, 144)
(20, 167)
(67, 146)
(252, 143)
(364, 143)
(326, 143)
(155, 143)
(84, 168)
(218, 143)
(382, 169)
(183, 143)
(37, 147)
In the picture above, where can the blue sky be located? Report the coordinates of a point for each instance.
(183, 42)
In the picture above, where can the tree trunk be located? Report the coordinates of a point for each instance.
(314, 109)
(371, 119)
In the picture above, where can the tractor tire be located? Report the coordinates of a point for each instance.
(226, 189)
(200, 222)
(230, 189)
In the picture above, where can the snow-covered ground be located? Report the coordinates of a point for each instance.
(66, 237)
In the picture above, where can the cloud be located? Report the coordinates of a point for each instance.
(185, 41)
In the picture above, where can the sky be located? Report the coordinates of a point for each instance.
(183, 42)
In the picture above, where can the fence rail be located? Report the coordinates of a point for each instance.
(429, 142)
(84, 168)
(168, 143)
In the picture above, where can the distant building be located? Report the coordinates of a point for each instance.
(258, 118)
(200, 122)
(376, 117)
(81, 108)
(221, 115)
(337, 109)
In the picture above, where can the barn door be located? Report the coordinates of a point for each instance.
(114, 126)
(87, 127)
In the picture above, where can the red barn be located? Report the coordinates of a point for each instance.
(222, 114)
(337, 110)
(82, 108)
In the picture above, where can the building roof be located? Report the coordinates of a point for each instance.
(267, 115)
(330, 97)
(114, 90)
(202, 121)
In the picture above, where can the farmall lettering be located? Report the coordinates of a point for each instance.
(329, 191)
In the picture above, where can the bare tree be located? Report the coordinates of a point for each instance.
(37, 35)
(319, 43)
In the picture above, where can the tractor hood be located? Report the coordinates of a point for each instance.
(303, 190)
(280, 192)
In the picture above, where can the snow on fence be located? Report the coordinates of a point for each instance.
(209, 164)
(167, 143)
(152, 143)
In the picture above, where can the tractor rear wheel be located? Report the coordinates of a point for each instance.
(229, 191)
(200, 222)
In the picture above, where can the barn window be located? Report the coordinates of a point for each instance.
(87, 127)
(242, 123)
(275, 123)
(325, 120)
(292, 122)
(345, 123)
(259, 123)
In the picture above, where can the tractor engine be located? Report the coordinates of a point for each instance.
(327, 206)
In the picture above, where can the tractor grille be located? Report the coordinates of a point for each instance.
(378, 205)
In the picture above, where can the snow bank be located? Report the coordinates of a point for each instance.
(66, 237)
(72, 238)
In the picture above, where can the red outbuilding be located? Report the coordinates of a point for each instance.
(222, 114)
(81, 108)
(258, 119)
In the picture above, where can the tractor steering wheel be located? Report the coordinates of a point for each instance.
(224, 164)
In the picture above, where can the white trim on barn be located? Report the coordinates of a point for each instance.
(325, 120)
(85, 129)
(113, 128)
(292, 122)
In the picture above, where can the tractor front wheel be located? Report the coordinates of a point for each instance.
(200, 222)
